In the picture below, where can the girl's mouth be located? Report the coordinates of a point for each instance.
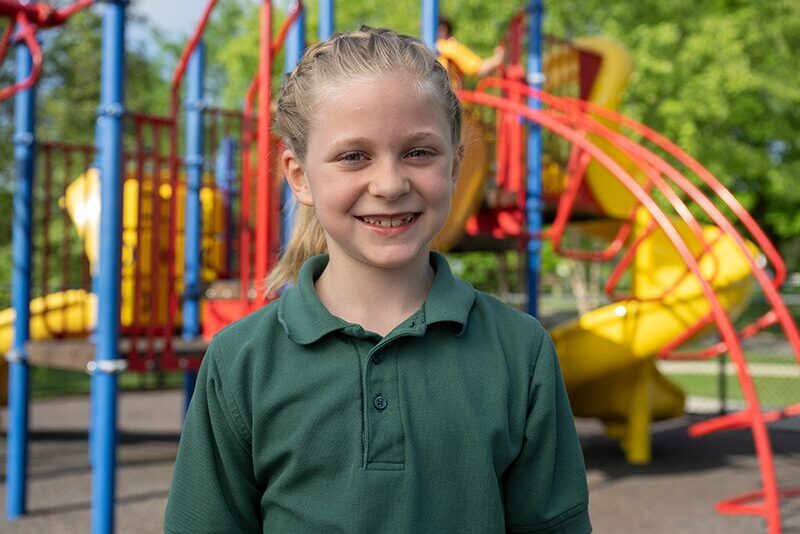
(388, 221)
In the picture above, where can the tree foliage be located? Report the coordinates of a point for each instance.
(720, 78)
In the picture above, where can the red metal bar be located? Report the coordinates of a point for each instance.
(266, 199)
(705, 176)
(768, 319)
(183, 61)
(740, 505)
(638, 155)
(740, 420)
(153, 119)
(29, 17)
(28, 36)
(768, 286)
(47, 184)
(246, 200)
(579, 162)
(65, 241)
(41, 14)
(757, 421)
(280, 39)
(264, 193)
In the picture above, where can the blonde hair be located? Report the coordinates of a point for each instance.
(360, 55)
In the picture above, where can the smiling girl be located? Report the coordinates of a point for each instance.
(379, 393)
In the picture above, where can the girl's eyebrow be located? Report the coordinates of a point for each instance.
(422, 136)
(348, 142)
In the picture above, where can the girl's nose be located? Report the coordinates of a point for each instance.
(389, 182)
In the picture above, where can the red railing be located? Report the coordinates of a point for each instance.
(29, 18)
(571, 120)
(62, 264)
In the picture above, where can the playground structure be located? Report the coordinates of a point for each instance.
(172, 246)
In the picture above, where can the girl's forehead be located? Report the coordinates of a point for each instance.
(331, 89)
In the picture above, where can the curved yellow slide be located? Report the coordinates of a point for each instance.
(468, 195)
(608, 355)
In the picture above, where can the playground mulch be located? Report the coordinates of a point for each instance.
(674, 494)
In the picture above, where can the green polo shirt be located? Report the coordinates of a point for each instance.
(455, 422)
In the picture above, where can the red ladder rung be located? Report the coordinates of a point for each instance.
(742, 419)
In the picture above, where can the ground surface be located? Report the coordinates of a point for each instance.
(675, 494)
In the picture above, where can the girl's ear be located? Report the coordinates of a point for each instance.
(296, 177)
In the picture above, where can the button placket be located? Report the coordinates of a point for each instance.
(385, 434)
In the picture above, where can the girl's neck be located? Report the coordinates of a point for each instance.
(377, 299)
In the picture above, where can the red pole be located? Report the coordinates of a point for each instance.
(263, 190)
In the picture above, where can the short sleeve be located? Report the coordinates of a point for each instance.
(464, 59)
(213, 486)
(545, 488)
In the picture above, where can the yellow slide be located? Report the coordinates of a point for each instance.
(608, 355)
(468, 195)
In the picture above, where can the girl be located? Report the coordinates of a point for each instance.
(380, 393)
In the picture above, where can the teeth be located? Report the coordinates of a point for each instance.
(388, 222)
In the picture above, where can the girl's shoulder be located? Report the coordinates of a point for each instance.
(505, 316)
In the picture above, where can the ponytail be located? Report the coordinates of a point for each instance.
(307, 240)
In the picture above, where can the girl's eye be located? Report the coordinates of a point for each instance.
(419, 153)
(352, 157)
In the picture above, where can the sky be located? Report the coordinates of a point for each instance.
(174, 16)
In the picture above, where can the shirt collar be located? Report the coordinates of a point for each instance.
(306, 320)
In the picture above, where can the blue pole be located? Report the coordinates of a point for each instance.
(193, 224)
(18, 378)
(534, 154)
(93, 401)
(295, 44)
(108, 362)
(326, 24)
(430, 22)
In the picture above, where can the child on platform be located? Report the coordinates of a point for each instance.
(379, 393)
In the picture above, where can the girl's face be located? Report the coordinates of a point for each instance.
(380, 170)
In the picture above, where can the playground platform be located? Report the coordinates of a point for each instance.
(676, 493)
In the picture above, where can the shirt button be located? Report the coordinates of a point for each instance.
(377, 359)
(379, 402)
(413, 324)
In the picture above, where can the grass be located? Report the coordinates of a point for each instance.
(772, 391)
(55, 382)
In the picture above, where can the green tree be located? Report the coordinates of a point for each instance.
(720, 79)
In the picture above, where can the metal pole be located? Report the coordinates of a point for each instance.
(326, 19)
(295, 44)
(17, 357)
(193, 222)
(108, 363)
(533, 204)
(264, 190)
(430, 22)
